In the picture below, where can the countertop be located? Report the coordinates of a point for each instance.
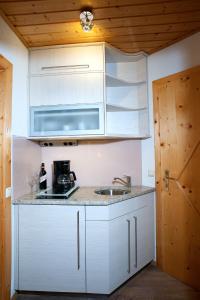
(86, 196)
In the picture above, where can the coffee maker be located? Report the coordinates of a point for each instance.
(63, 178)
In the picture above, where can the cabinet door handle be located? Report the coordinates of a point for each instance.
(65, 67)
(129, 246)
(136, 240)
(78, 240)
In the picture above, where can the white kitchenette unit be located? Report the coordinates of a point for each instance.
(85, 244)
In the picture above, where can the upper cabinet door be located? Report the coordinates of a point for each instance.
(67, 59)
(66, 89)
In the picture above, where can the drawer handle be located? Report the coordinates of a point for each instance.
(129, 246)
(136, 256)
(78, 240)
(66, 67)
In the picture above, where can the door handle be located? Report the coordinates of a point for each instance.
(129, 246)
(166, 179)
(136, 241)
(78, 240)
(73, 67)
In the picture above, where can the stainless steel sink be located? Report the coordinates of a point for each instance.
(112, 192)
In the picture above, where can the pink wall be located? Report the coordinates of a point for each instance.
(97, 162)
(26, 158)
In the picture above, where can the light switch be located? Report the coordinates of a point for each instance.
(151, 173)
(8, 192)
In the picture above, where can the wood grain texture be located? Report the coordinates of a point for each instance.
(177, 136)
(149, 284)
(48, 22)
(5, 178)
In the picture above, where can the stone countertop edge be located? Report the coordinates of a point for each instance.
(86, 196)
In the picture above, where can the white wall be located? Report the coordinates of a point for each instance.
(178, 57)
(14, 51)
(97, 163)
(26, 160)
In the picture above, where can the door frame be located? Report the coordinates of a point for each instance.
(159, 209)
(5, 180)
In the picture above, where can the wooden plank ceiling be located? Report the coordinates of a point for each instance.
(130, 25)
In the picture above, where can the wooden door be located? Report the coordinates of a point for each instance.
(5, 177)
(177, 138)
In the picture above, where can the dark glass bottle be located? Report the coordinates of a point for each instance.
(43, 177)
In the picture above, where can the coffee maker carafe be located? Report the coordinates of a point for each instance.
(63, 179)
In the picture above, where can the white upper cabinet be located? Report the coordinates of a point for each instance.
(94, 73)
(67, 59)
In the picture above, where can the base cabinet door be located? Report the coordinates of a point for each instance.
(144, 230)
(121, 250)
(51, 253)
(110, 253)
(97, 257)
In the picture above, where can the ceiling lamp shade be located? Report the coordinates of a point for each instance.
(86, 18)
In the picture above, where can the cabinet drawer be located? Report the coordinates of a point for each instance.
(67, 59)
(66, 89)
(115, 210)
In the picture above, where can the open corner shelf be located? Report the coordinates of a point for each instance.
(117, 108)
(112, 81)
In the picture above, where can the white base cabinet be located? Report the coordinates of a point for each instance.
(51, 248)
(85, 249)
(119, 242)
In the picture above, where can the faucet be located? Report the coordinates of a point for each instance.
(126, 181)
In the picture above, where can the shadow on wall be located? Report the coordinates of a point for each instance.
(97, 162)
(26, 159)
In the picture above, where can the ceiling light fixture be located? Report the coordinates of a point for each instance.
(86, 18)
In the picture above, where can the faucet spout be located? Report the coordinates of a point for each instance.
(125, 182)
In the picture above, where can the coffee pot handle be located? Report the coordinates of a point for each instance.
(74, 176)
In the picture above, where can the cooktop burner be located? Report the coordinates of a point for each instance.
(49, 194)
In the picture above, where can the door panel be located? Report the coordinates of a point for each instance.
(120, 250)
(51, 250)
(66, 89)
(144, 221)
(177, 135)
(97, 257)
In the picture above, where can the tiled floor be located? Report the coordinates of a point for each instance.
(149, 284)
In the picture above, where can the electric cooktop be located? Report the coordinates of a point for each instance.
(50, 194)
